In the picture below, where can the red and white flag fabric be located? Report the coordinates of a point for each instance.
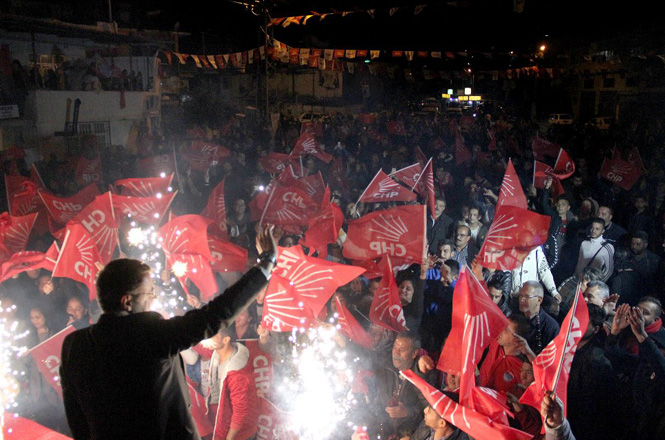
(622, 173)
(424, 187)
(287, 206)
(514, 233)
(283, 309)
(79, 259)
(201, 155)
(396, 128)
(29, 260)
(275, 162)
(543, 148)
(511, 192)
(150, 210)
(386, 309)
(63, 209)
(313, 279)
(409, 175)
(22, 428)
(476, 321)
(462, 153)
(272, 423)
(196, 268)
(541, 172)
(47, 356)
(399, 232)
(15, 232)
(351, 328)
(98, 219)
(420, 157)
(383, 188)
(490, 402)
(23, 199)
(551, 368)
(307, 145)
(215, 210)
(89, 171)
(198, 409)
(564, 166)
(161, 165)
(226, 256)
(475, 424)
(324, 229)
(262, 364)
(144, 186)
(314, 127)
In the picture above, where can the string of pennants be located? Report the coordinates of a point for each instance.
(350, 61)
(303, 19)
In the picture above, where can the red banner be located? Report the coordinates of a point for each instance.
(462, 153)
(202, 155)
(163, 164)
(215, 210)
(323, 229)
(543, 148)
(350, 327)
(511, 192)
(425, 187)
(47, 356)
(14, 233)
(409, 175)
(283, 310)
(395, 128)
(29, 260)
(98, 219)
(261, 362)
(23, 199)
(226, 256)
(307, 145)
(386, 309)
(621, 172)
(398, 232)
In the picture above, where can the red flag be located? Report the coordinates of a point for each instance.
(462, 154)
(551, 368)
(283, 310)
(511, 192)
(324, 229)
(409, 175)
(398, 232)
(386, 309)
(491, 133)
(476, 322)
(314, 280)
(541, 172)
(491, 403)
(160, 165)
(475, 424)
(148, 210)
(514, 232)
(88, 171)
(274, 162)
(313, 184)
(23, 199)
(144, 186)
(316, 128)
(635, 158)
(79, 259)
(420, 157)
(306, 144)
(620, 172)
(198, 409)
(215, 210)
(201, 155)
(349, 327)
(15, 232)
(22, 428)
(564, 166)
(542, 148)
(384, 189)
(286, 206)
(28, 260)
(98, 219)
(425, 187)
(395, 128)
(195, 267)
(226, 256)
(47, 358)
(272, 422)
(338, 175)
(63, 209)
(262, 363)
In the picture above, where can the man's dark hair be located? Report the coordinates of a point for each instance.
(445, 242)
(117, 279)
(228, 331)
(522, 324)
(654, 301)
(497, 284)
(564, 197)
(592, 273)
(642, 235)
(454, 267)
(609, 208)
(596, 315)
(598, 220)
(413, 337)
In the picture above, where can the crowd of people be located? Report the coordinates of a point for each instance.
(611, 239)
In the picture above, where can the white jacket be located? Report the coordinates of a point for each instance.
(534, 268)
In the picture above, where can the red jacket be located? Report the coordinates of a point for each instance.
(238, 405)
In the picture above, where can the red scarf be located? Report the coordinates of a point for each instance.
(632, 346)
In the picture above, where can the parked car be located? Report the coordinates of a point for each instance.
(560, 119)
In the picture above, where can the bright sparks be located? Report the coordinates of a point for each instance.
(136, 236)
(179, 268)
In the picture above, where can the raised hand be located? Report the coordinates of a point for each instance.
(620, 320)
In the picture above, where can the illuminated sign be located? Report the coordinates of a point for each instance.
(463, 98)
(475, 98)
(445, 95)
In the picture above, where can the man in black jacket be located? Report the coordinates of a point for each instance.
(123, 378)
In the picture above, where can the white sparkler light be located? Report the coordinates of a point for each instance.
(136, 236)
(12, 345)
(179, 268)
(162, 174)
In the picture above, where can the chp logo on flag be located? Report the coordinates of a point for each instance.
(386, 309)
(15, 231)
(99, 221)
(79, 258)
(47, 356)
(143, 209)
(283, 310)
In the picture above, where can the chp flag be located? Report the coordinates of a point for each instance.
(99, 221)
(14, 233)
(511, 192)
(386, 308)
(47, 357)
(63, 209)
(88, 171)
(623, 173)
(384, 189)
(79, 259)
(159, 165)
(399, 232)
(149, 210)
(226, 256)
(144, 186)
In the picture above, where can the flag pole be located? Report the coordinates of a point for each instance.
(265, 208)
(570, 325)
(361, 195)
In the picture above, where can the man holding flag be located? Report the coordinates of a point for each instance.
(122, 377)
